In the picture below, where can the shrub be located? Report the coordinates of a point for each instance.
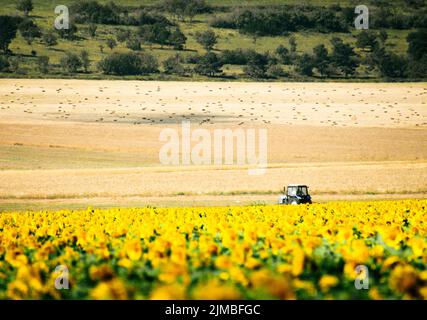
(43, 64)
(122, 35)
(283, 54)
(237, 57)
(14, 64)
(222, 22)
(70, 62)
(84, 58)
(91, 30)
(128, 64)
(208, 65)
(275, 71)
(173, 65)
(257, 65)
(133, 43)
(111, 43)
(49, 39)
(193, 58)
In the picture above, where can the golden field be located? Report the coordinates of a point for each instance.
(76, 143)
(273, 252)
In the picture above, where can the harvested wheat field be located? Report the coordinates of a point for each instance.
(74, 143)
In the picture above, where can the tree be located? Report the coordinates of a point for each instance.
(293, 44)
(177, 39)
(417, 44)
(321, 60)
(175, 7)
(29, 30)
(208, 39)
(305, 65)
(162, 34)
(70, 62)
(389, 64)
(383, 35)
(84, 58)
(417, 69)
(111, 43)
(343, 57)
(256, 66)
(194, 7)
(90, 11)
(208, 65)
(4, 64)
(26, 6)
(156, 33)
(50, 39)
(366, 40)
(173, 65)
(184, 8)
(283, 53)
(248, 22)
(91, 30)
(8, 29)
(43, 64)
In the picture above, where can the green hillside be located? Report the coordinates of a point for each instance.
(387, 61)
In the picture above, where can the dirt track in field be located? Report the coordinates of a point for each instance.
(77, 142)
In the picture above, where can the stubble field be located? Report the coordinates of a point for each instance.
(77, 143)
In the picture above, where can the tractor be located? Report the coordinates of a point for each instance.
(295, 194)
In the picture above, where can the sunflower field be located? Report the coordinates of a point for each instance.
(255, 252)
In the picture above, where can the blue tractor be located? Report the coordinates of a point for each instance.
(295, 194)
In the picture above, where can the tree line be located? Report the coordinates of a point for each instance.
(341, 61)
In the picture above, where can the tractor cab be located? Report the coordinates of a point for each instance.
(295, 194)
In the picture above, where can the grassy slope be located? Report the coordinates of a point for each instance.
(228, 39)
